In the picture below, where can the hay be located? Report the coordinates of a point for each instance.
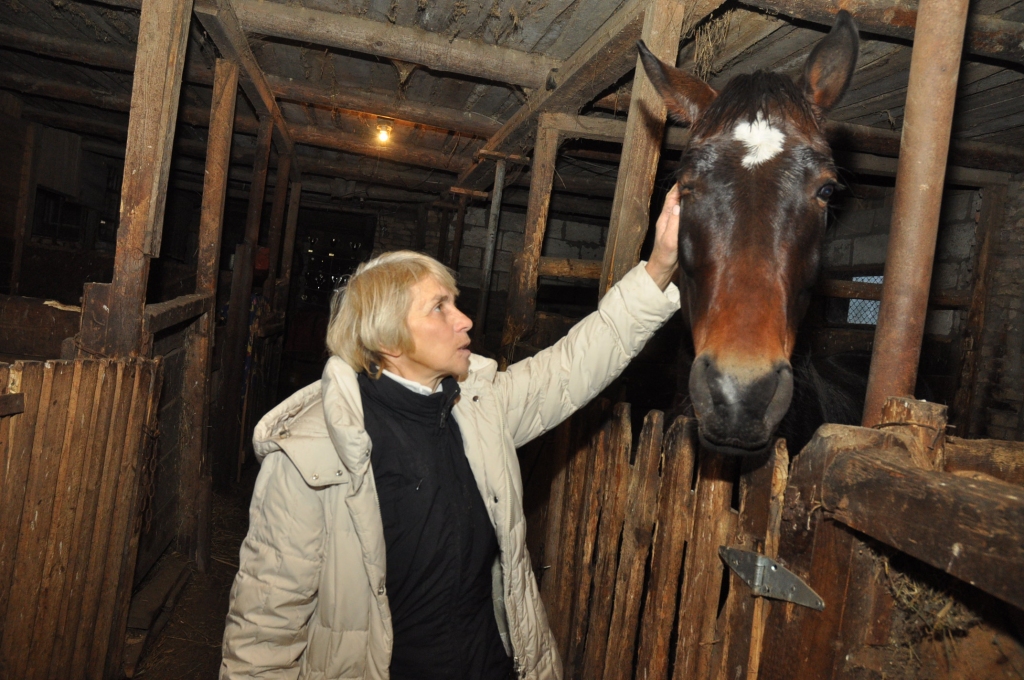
(706, 42)
(929, 603)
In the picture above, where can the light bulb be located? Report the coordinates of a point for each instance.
(382, 134)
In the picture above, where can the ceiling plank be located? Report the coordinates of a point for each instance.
(219, 20)
(604, 58)
(349, 98)
(986, 35)
(432, 50)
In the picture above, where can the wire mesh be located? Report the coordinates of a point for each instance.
(864, 312)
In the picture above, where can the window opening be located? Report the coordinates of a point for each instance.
(864, 312)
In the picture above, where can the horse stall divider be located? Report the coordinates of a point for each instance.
(629, 561)
(69, 514)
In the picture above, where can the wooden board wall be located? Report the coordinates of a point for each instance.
(625, 544)
(72, 464)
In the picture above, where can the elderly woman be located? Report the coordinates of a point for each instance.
(386, 533)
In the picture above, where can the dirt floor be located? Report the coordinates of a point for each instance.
(189, 645)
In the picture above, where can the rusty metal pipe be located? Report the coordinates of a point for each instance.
(931, 95)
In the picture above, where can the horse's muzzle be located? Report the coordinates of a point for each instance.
(739, 410)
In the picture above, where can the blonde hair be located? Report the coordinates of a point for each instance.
(368, 315)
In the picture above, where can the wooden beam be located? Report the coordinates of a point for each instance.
(608, 129)
(460, 226)
(162, 315)
(570, 269)
(339, 140)
(254, 213)
(291, 228)
(641, 147)
(979, 540)
(359, 100)
(417, 46)
(986, 35)
(860, 290)
(277, 223)
(220, 21)
(608, 55)
(163, 33)
(522, 295)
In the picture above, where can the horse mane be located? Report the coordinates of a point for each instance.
(748, 94)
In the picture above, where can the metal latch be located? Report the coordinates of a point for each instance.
(768, 578)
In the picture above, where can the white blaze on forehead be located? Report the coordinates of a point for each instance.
(763, 141)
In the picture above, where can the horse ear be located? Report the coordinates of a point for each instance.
(829, 69)
(685, 97)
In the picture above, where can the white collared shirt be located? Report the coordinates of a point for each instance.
(412, 384)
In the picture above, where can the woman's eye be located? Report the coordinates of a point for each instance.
(826, 191)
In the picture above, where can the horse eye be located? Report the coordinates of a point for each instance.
(826, 191)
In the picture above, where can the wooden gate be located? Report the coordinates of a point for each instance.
(626, 547)
(75, 448)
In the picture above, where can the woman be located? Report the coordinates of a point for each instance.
(387, 537)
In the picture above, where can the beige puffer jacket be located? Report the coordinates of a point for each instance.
(309, 599)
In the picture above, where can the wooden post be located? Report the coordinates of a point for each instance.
(163, 37)
(284, 167)
(460, 226)
(993, 205)
(281, 294)
(195, 482)
(23, 212)
(641, 147)
(444, 219)
(492, 239)
(258, 188)
(522, 294)
(422, 220)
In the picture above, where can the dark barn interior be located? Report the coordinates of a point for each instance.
(184, 183)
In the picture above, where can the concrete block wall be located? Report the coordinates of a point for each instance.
(859, 237)
(999, 391)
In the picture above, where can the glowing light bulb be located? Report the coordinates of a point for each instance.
(384, 126)
(383, 134)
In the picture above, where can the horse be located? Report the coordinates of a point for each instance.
(755, 181)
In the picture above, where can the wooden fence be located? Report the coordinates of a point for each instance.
(625, 542)
(73, 457)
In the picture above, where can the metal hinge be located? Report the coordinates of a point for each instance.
(768, 578)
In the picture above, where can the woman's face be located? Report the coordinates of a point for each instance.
(440, 336)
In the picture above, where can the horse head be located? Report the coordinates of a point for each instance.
(755, 182)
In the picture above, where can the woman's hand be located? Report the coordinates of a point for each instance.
(665, 255)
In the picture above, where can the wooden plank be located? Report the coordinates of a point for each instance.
(460, 226)
(28, 378)
(110, 459)
(553, 542)
(964, 406)
(120, 567)
(979, 539)
(741, 625)
(41, 487)
(637, 535)
(284, 166)
(193, 471)
(85, 519)
(600, 454)
(220, 21)
(522, 296)
(702, 570)
(163, 315)
(232, 361)
(218, 158)
(12, 404)
(54, 587)
(569, 268)
(860, 290)
(988, 36)
(613, 517)
(287, 254)
(433, 50)
(675, 508)
(641, 147)
(254, 212)
(163, 31)
(999, 459)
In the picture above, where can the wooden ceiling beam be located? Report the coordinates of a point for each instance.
(414, 45)
(322, 137)
(220, 21)
(604, 58)
(986, 35)
(353, 99)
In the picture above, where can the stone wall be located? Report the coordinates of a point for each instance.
(859, 237)
(999, 391)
